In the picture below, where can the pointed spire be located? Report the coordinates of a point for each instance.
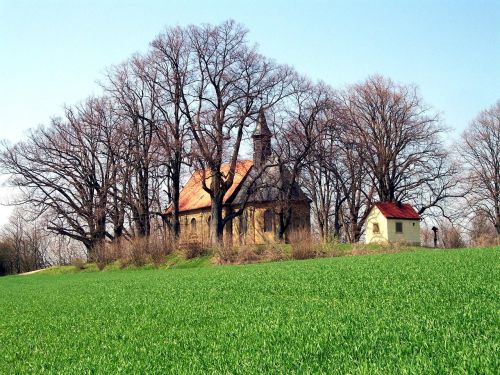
(261, 140)
(261, 128)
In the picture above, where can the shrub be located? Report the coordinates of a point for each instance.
(225, 254)
(395, 246)
(101, 255)
(486, 239)
(137, 251)
(192, 250)
(158, 247)
(359, 249)
(330, 248)
(78, 263)
(274, 252)
(248, 254)
(451, 236)
(302, 245)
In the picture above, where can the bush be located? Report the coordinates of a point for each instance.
(225, 254)
(78, 263)
(192, 250)
(274, 252)
(359, 249)
(396, 246)
(101, 255)
(450, 236)
(248, 254)
(302, 245)
(486, 239)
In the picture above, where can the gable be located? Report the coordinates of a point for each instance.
(266, 186)
(193, 196)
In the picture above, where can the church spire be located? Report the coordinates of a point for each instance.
(261, 140)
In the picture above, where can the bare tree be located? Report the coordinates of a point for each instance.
(298, 131)
(66, 171)
(320, 180)
(481, 154)
(132, 90)
(171, 64)
(25, 244)
(399, 137)
(338, 175)
(230, 83)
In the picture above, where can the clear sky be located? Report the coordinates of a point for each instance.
(53, 51)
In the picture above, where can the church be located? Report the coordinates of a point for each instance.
(257, 181)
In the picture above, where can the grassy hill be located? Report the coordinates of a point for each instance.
(426, 311)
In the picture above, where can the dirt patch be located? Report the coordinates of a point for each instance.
(31, 272)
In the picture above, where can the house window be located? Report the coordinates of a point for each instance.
(193, 225)
(376, 228)
(399, 227)
(268, 221)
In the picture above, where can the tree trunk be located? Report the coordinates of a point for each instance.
(216, 223)
(283, 222)
(176, 225)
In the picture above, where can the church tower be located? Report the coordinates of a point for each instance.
(261, 140)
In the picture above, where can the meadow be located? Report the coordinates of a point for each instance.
(426, 311)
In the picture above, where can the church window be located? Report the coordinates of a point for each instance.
(193, 225)
(376, 228)
(268, 221)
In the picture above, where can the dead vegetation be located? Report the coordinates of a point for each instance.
(300, 245)
(134, 252)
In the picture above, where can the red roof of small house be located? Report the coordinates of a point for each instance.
(193, 196)
(392, 210)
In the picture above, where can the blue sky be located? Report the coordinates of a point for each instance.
(52, 51)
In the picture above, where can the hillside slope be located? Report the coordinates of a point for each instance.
(422, 312)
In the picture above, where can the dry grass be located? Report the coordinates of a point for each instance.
(248, 254)
(303, 246)
(78, 263)
(102, 256)
(225, 254)
(192, 250)
(486, 240)
(154, 249)
(274, 252)
(137, 251)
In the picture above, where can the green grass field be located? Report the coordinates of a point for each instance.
(419, 312)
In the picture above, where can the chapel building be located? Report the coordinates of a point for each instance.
(259, 182)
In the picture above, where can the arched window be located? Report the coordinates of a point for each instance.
(268, 220)
(193, 225)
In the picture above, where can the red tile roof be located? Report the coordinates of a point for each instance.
(193, 196)
(392, 210)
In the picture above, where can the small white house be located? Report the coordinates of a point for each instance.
(392, 222)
